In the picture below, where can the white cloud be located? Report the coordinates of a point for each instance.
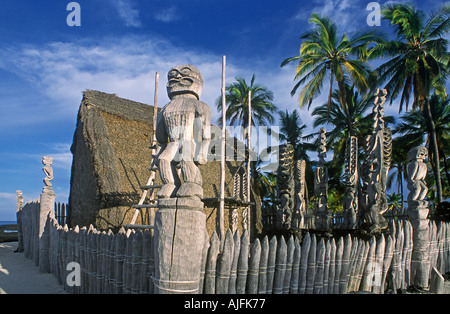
(167, 15)
(62, 157)
(127, 13)
(8, 196)
(126, 66)
(348, 15)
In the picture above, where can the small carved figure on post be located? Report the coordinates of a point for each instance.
(48, 170)
(418, 212)
(19, 199)
(417, 171)
(301, 194)
(19, 204)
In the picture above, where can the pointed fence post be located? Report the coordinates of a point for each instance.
(211, 262)
(320, 260)
(253, 268)
(119, 252)
(262, 284)
(332, 269)
(295, 267)
(224, 262)
(234, 264)
(273, 244)
(204, 260)
(243, 263)
(304, 263)
(289, 263)
(280, 266)
(311, 270)
(369, 267)
(346, 261)
(379, 258)
(338, 265)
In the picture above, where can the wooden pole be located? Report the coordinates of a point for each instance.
(155, 104)
(221, 213)
(154, 152)
(249, 134)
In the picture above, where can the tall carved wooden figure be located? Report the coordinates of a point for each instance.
(285, 187)
(301, 195)
(322, 214)
(418, 212)
(183, 131)
(351, 183)
(376, 166)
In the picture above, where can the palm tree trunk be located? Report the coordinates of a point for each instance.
(256, 216)
(400, 170)
(329, 95)
(446, 168)
(434, 147)
(342, 100)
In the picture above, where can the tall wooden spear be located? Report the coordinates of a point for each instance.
(221, 213)
(249, 133)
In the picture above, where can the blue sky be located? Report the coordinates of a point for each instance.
(45, 65)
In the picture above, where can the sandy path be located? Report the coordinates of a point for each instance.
(19, 274)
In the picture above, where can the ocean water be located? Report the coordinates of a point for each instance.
(3, 222)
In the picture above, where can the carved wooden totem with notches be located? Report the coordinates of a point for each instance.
(378, 151)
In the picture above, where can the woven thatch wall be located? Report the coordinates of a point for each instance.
(111, 157)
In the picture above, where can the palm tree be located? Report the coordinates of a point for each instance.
(265, 187)
(357, 119)
(395, 203)
(237, 113)
(399, 161)
(323, 56)
(445, 156)
(414, 127)
(236, 99)
(419, 62)
(291, 131)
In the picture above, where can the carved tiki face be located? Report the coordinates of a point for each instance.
(184, 79)
(419, 153)
(47, 160)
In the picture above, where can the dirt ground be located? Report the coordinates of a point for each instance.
(19, 275)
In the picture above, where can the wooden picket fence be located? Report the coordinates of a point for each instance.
(108, 263)
(117, 263)
(30, 229)
(318, 265)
